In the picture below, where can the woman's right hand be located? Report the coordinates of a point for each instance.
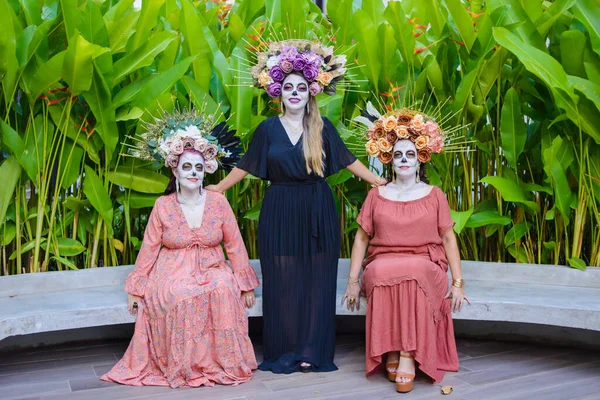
(352, 296)
(213, 188)
(131, 301)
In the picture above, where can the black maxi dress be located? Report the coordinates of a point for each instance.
(299, 246)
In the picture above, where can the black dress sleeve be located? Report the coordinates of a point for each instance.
(254, 160)
(337, 155)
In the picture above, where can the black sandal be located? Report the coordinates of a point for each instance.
(306, 368)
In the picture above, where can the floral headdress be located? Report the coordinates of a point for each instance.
(406, 123)
(166, 139)
(319, 66)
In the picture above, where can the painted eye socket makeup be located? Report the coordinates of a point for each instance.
(409, 154)
(288, 87)
(188, 167)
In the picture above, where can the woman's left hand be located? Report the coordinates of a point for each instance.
(458, 298)
(249, 299)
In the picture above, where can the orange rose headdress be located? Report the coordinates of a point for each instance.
(383, 131)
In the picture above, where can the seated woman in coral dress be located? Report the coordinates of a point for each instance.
(191, 327)
(407, 227)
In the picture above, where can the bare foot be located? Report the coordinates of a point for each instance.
(407, 366)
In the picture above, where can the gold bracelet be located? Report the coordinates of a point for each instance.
(349, 281)
(458, 283)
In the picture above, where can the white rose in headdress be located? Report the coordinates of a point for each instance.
(179, 134)
(272, 61)
(193, 132)
(211, 166)
(163, 148)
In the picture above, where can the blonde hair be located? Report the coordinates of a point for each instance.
(312, 145)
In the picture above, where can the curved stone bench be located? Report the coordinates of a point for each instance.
(521, 293)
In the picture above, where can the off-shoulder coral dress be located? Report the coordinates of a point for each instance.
(405, 280)
(192, 327)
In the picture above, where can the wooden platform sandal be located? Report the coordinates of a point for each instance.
(404, 387)
(391, 375)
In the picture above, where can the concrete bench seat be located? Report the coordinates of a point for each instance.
(537, 294)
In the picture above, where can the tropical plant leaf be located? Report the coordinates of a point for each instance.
(140, 180)
(484, 218)
(460, 219)
(513, 129)
(97, 195)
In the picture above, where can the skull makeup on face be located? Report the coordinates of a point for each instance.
(295, 92)
(190, 171)
(405, 158)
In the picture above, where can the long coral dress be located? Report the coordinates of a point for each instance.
(191, 327)
(405, 280)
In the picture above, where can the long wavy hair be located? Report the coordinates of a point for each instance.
(312, 145)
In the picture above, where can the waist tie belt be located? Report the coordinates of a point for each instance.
(317, 190)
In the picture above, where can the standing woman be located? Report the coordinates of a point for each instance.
(298, 232)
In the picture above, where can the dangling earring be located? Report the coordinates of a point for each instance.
(418, 173)
(200, 188)
(177, 185)
(393, 174)
(282, 107)
(307, 109)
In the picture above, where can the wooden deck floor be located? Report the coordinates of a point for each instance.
(489, 371)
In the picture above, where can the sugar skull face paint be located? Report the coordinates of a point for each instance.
(190, 170)
(295, 93)
(405, 158)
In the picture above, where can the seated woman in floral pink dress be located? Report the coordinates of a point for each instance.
(191, 327)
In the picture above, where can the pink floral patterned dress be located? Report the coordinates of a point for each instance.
(192, 327)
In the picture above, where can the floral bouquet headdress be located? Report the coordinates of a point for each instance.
(319, 66)
(383, 131)
(167, 138)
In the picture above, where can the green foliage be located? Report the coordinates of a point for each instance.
(79, 77)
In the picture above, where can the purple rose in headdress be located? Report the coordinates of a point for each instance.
(310, 72)
(314, 59)
(299, 62)
(315, 89)
(274, 89)
(288, 53)
(286, 66)
(277, 74)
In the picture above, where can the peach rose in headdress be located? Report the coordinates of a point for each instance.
(324, 78)
(390, 124)
(417, 122)
(421, 142)
(424, 155)
(372, 148)
(264, 79)
(384, 145)
(385, 157)
(402, 132)
(380, 132)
